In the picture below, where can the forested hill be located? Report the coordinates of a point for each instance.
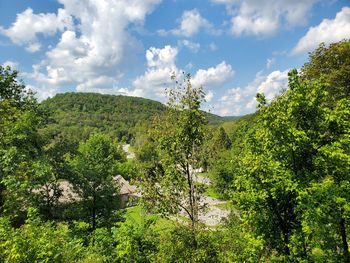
(76, 115)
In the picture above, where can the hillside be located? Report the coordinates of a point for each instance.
(76, 115)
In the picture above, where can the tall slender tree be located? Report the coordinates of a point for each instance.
(169, 184)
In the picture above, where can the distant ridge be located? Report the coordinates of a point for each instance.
(76, 115)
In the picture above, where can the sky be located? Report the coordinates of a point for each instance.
(233, 48)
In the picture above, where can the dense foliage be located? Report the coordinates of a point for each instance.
(74, 116)
(283, 171)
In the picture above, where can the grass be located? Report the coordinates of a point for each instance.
(211, 192)
(135, 215)
(207, 175)
(210, 189)
(225, 206)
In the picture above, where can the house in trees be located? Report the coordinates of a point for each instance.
(128, 193)
(65, 193)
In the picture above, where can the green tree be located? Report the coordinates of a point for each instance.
(222, 140)
(176, 246)
(38, 241)
(292, 185)
(333, 64)
(94, 167)
(169, 185)
(20, 142)
(136, 242)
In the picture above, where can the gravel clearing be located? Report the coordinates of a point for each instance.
(211, 215)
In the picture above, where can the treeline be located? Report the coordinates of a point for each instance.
(75, 116)
(284, 170)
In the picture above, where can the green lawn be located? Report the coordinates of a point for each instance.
(136, 215)
(211, 192)
(226, 205)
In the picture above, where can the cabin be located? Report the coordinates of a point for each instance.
(128, 193)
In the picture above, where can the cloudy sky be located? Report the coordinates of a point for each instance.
(234, 48)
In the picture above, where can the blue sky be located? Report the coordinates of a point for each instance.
(234, 48)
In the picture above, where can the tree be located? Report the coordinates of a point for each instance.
(136, 242)
(333, 64)
(223, 140)
(20, 142)
(169, 184)
(94, 167)
(38, 241)
(14, 91)
(292, 185)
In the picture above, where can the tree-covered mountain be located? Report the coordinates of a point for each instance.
(77, 115)
(80, 114)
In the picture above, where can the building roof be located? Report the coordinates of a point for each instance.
(124, 186)
(69, 195)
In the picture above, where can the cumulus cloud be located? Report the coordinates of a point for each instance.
(191, 22)
(28, 25)
(328, 31)
(273, 84)
(241, 100)
(213, 76)
(209, 96)
(42, 92)
(161, 66)
(161, 57)
(256, 17)
(94, 52)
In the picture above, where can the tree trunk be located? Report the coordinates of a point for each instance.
(192, 201)
(343, 237)
(281, 225)
(93, 212)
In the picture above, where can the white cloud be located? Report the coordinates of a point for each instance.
(189, 65)
(160, 58)
(273, 84)
(209, 96)
(94, 53)
(161, 66)
(214, 76)
(101, 84)
(27, 25)
(239, 101)
(256, 17)
(191, 22)
(193, 46)
(42, 92)
(33, 47)
(327, 31)
(11, 64)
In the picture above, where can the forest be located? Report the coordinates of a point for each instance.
(280, 177)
